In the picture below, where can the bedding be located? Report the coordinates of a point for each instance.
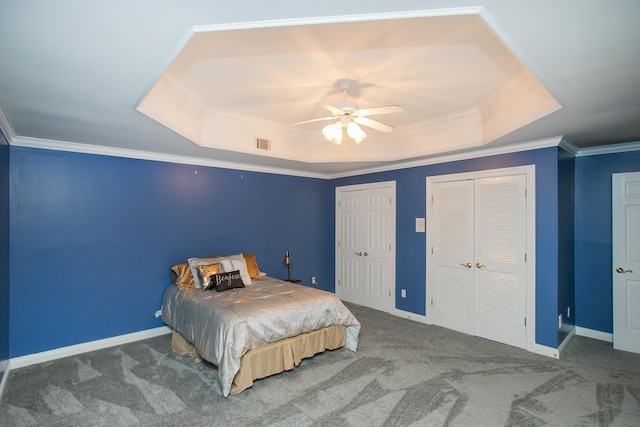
(224, 326)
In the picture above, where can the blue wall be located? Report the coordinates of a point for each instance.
(92, 237)
(411, 246)
(566, 237)
(4, 254)
(593, 242)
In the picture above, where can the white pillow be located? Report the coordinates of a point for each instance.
(194, 262)
(234, 263)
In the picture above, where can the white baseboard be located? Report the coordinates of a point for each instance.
(537, 348)
(543, 350)
(72, 350)
(4, 378)
(408, 315)
(592, 333)
(566, 340)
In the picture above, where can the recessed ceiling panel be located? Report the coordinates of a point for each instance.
(442, 70)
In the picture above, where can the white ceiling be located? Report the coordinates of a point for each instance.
(466, 74)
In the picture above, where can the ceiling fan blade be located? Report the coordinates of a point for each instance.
(313, 120)
(334, 110)
(380, 110)
(374, 124)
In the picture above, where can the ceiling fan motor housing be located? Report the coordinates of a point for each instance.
(347, 107)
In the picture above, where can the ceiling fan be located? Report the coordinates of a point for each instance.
(349, 116)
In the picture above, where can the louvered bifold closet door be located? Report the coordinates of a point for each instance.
(453, 255)
(500, 247)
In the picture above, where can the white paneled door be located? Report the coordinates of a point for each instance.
(477, 257)
(626, 261)
(365, 245)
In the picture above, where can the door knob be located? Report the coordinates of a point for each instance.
(358, 253)
(366, 253)
(468, 265)
(622, 270)
(479, 265)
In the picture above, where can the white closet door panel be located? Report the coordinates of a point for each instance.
(350, 222)
(500, 231)
(453, 255)
(498, 314)
(454, 221)
(376, 283)
(454, 298)
(375, 255)
(500, 244)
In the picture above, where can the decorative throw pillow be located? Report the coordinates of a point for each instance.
(194, 263)
(225, 281)
(205, 272)
(182, 277)
(233, 264)
(252, 266)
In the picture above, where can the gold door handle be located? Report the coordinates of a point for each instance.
(366, 253)
(479, 265)
(358, 253)
(468, 265)
(622, 270)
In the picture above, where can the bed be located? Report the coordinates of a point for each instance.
(257, 330)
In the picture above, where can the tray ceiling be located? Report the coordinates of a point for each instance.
(211, 77)
(458, 84)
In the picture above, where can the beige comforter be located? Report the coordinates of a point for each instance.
(223, 326)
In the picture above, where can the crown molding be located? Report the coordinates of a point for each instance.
(609, 149)
(461, 155)
(47, 144)
(336, 19)
(5, 127)
(558, 141)
(569, 147)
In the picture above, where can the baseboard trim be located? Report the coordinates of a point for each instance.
(566, 340)
(72, 350)
(592, 333)
(543, 350)
(409, 315)
(540, 349)
(5, 375)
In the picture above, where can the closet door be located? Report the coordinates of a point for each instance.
(365, 253)
(500, 248)
(477, 263)
(453, 222)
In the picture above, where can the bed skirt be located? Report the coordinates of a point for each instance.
(272, 358)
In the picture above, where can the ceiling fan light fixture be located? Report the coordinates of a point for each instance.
(333, 133)
(355, 132)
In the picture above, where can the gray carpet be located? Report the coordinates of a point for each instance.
(404, 374)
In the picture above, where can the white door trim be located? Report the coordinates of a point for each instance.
(529, 171)
(391, 185)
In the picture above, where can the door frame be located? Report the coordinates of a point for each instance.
(530, 277)
(391, 185)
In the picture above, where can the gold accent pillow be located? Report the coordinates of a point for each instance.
(252, 266)
(182, 277)
(204, 274)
